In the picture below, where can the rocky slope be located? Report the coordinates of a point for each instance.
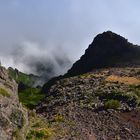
(102, 105)
(12, 115)
(101, 101)
(107, 50)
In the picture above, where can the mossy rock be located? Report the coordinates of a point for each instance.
(4, 92)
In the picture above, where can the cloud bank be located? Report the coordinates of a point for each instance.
(52, 34)
(30, 57)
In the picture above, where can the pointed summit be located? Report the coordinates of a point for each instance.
(107, 50)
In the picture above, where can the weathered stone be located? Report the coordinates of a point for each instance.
(11, 112)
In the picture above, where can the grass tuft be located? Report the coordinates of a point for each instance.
(39, 128)
(112, 104)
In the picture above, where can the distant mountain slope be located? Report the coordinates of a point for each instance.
(20, 77)
(28, 87)
(107, 50)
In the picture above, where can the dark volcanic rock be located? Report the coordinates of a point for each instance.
(107, 50)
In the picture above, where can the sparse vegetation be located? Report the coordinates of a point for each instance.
(124, 80)
(127, 97)
(39, 129)
(112, 104)
(135, 90)
(4, 93)
(58, 118)
(17, 135)
(38, 135)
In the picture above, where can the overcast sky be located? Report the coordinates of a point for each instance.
(68, 25)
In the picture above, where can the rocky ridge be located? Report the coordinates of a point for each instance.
(107, 50)
(12, 116)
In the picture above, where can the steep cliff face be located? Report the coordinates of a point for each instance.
(12, 116)
(107, 50)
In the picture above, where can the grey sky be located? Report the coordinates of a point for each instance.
(67, 24)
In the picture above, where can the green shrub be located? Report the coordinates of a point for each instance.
(112, 104)
(38, 135)
(3, 92)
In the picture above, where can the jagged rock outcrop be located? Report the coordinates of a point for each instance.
(13, 118)
(107, 50)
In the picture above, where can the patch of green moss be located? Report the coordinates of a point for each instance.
(4, 93)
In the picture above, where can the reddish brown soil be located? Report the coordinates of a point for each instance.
(132, 118)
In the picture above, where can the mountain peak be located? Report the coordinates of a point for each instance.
(108, 49)
(109, 38)
(107, 34)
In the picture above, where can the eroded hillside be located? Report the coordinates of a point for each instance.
(102, 104)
